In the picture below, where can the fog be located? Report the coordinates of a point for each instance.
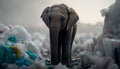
(89, 50)
(27, 12)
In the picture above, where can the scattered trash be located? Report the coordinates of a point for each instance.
(18, 50)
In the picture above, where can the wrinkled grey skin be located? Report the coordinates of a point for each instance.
(61, 21)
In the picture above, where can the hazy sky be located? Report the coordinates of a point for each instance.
(27, 12)
(88, 10)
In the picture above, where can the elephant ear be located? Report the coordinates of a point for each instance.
(72, 18)
(45, 16)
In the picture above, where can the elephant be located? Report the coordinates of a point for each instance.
(62, 23)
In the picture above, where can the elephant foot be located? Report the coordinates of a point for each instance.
(67, 64)
(54, 63)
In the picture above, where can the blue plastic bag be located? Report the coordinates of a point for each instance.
(22, 61)
(7, 55)
(12, 39)
(31, 55)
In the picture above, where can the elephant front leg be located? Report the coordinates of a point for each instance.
(66, 47)
(55, 56)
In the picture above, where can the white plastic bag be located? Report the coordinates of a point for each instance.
(33, 48)
(3, 28)
(38, 36)
(21, 33)
(22, 50)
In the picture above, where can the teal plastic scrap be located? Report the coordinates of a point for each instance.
(7, 55)
(2, 52)
(31, 55)
(9, 43)
(22, 61)
(10, 56)
(12, 39)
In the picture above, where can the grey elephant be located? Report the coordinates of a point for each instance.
(61, 21)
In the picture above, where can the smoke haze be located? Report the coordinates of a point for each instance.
(27, 12)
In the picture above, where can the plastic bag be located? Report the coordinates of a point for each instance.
(21, 33)
(17, 47)
(33, 48)
(38, 36)
(2, 43)
(15, 34)
(7, 55)
(22, 61)
(31, 55)
(26, 57)
(3, 28)
(22, 50)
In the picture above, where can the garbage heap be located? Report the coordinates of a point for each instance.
(18, 50)
(105, 54)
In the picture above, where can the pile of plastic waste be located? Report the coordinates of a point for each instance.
(21, 50)
(17, 49)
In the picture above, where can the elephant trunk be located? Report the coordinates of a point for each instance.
(54, 40)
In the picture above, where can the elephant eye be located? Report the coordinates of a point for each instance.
(62, 18)
(50, 18)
